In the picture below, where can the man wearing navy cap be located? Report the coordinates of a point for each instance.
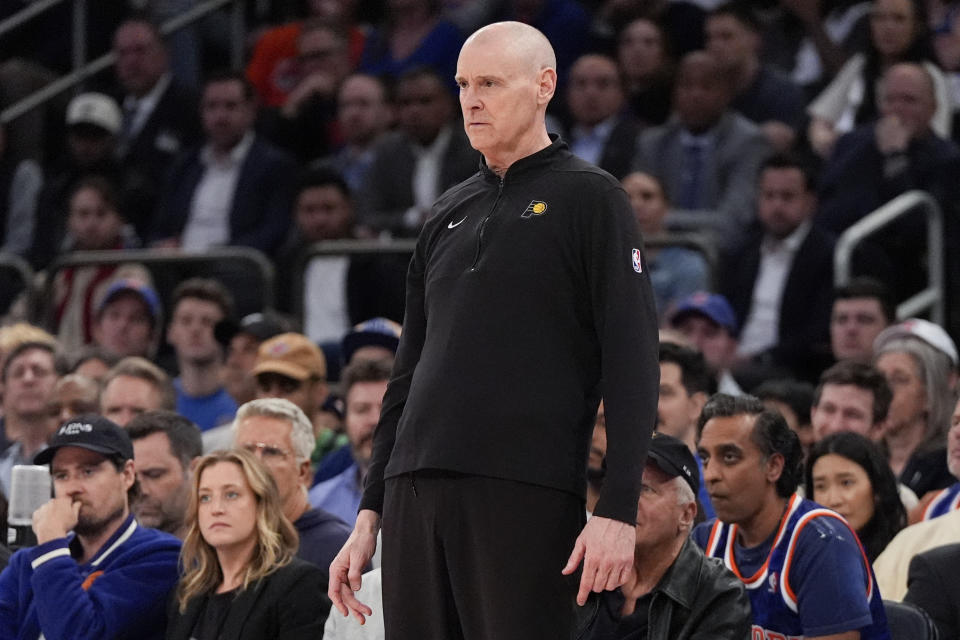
(128, 319)
(95, 572)
(708, 322)
(675, 591)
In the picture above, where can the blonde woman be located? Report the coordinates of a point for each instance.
(240, 577)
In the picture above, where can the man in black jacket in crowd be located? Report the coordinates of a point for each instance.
(675, 592)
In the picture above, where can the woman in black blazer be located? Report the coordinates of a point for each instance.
(241, 580)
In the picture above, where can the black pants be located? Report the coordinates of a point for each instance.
(477, 558)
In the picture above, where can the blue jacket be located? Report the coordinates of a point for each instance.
(120, 593)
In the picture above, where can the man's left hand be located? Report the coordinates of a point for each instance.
(606, 548)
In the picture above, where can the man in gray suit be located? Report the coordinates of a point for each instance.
(707, 156)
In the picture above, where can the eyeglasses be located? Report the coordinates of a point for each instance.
(266, 451)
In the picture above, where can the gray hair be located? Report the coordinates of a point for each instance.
(301, 429)
(934, 368)
(684, 495)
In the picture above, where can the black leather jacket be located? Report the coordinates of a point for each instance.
(696, 599)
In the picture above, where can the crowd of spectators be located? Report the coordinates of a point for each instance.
(768, 127)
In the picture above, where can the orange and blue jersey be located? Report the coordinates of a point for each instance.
(810, 578)
(945, 501)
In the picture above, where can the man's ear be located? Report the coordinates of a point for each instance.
(129, 474)
(774, 467)
(547, 85)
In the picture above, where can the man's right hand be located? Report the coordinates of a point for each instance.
(55, 519)
(347, 567)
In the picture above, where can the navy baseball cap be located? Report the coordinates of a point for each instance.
(712, 306)
(259, 325)
(673, 457)
(92, 432)
(377, 332)
(146, 293)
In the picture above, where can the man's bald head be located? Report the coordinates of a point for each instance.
(702, 91)
(519, 41)
(507, 75)
(907, 92)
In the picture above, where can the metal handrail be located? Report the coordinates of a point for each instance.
(932, 297)
(28, 13)
(81, 73)
(161, 257)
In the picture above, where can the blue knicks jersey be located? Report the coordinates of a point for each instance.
(816, 576)
(944, 502)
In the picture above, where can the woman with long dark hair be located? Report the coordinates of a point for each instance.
(240, 577)
(847, 472)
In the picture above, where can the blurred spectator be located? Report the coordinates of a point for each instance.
(364, 114)
(198, 305)
(830, 32)
(707, 321)
(565, 23)
(919, 360)
(75, 395)
(675, 591)
(601, 131)
(128, 319)
(274, 66)
(14, 335)
(862, 308)
(851, 396)
(159, 116)
(337, 291)
(165, 448)
(780, 282)
(794, 400)
(932, 586)
(20, 182)
(235, 190)
(93, 224)
(413, 35)
(412, 166)
(675, 272)
(305, 124)
(363, 384)
(93, 122)
(685, 385)
(708, 157)
(374, 339)
(762, 93)
(847, 472)
(898, 33)
(135, 386)
(946, 500)
(280, 434)
(29, 379)
(92, 362)
(242, 343)
(292, 367)
(647, 70)
(879, 161)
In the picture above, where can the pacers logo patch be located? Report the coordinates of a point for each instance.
(635, 256)
(535, 208)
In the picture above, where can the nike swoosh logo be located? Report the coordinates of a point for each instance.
(451, 225)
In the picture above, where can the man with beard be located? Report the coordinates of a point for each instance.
(364, 383)
(165, 446)
(110, 577)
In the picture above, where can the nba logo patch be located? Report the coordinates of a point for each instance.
(636, 261)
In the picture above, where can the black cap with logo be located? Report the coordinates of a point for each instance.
(673, 457)
(92, 432)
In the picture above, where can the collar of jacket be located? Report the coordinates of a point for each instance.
(531, 164)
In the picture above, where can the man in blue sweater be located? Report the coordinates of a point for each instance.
(95, 572)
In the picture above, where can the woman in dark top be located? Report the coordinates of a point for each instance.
(847, 472)
(241, 580)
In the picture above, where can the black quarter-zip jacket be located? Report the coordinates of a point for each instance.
(522, 295)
